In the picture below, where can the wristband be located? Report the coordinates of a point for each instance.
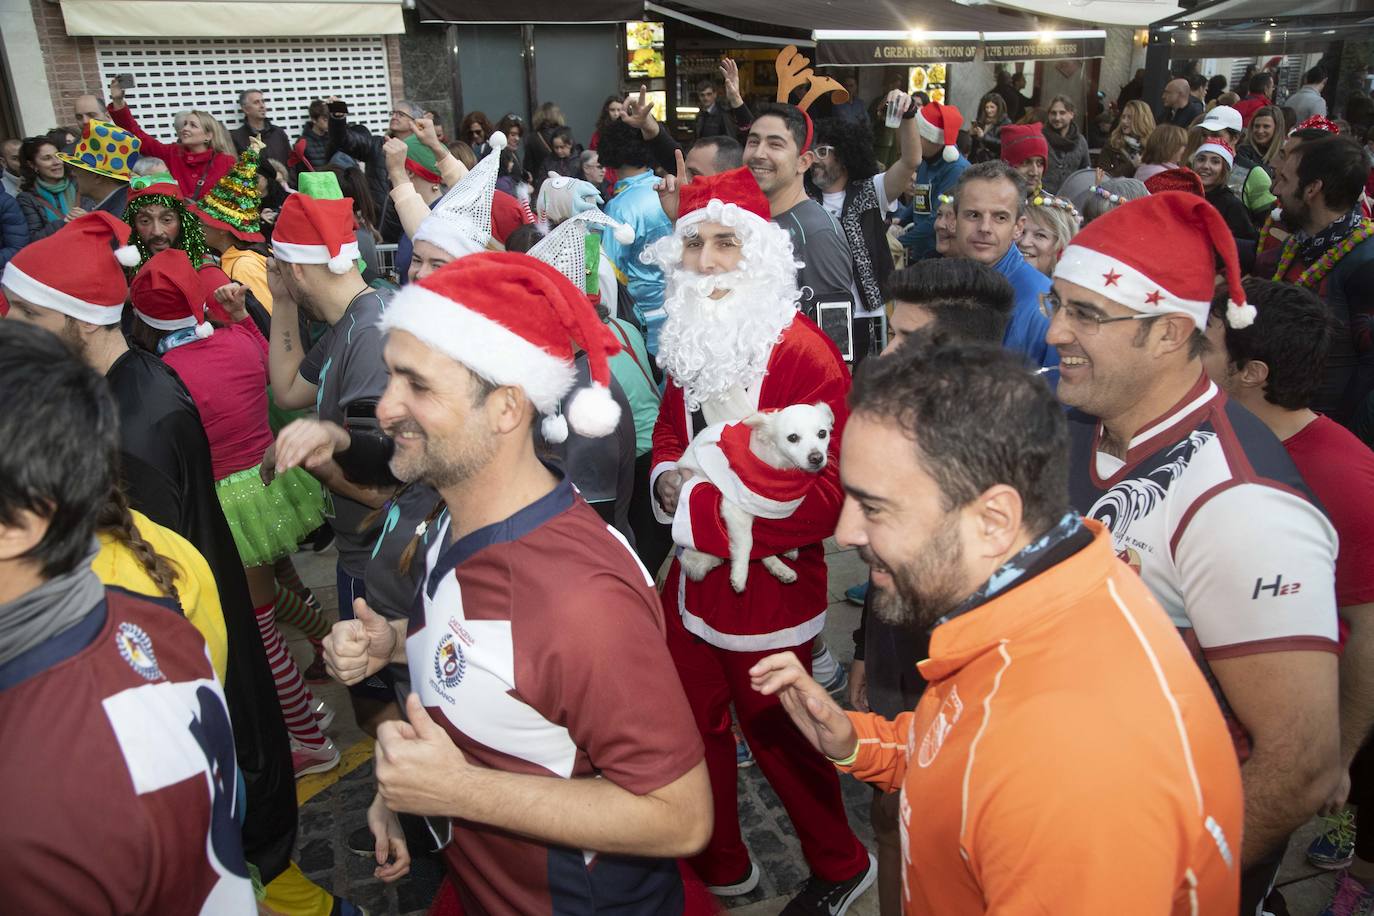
(848, 761)
(910, 113)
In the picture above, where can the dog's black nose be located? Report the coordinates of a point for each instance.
(816, 459)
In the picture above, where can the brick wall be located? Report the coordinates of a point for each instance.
(393, 62)
(70, 63)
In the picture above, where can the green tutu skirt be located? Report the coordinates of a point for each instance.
(269, 522)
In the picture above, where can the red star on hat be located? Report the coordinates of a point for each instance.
(1111, 277)
(1154, 297)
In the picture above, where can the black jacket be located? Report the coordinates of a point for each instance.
(278, 144)
(314, 148)
(357, 141)
(716, 123)
(164, 460)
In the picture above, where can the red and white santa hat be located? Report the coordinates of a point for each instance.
(314, 231)
(938, 123)
(1220, 148)
(169, 295)
(1157, 255)
(75, 271)
(514, 320)
(721, 197)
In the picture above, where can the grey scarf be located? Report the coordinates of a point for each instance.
(53, 608)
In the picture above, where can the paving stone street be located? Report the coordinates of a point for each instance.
(334, 804)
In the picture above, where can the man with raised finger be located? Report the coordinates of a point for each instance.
(1045, 651)
(548, 739)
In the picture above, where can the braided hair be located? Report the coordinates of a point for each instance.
(115, 520)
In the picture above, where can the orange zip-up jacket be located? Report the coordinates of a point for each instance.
(1068, 757)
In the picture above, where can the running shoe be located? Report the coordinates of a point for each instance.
(741, 887)
(831, 898)
(1334, 847)
(857, 594)
(744, 758)
(306, 759)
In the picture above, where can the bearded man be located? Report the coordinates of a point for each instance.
(733, 343)
(157, 214)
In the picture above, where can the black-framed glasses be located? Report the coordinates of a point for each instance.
(1084, 319)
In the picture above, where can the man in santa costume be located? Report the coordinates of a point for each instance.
(733, 343)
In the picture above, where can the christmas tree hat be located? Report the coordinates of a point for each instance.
(233, 203)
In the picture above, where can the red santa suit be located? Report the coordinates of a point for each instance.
(715, 634)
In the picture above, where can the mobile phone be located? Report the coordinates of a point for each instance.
(836, 320)
(126, 81)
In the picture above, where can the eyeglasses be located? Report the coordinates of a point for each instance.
(1086, 321)
(823, 151)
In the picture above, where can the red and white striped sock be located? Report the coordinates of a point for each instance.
(294, 697)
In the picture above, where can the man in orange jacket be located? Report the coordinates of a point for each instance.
(1067, 755)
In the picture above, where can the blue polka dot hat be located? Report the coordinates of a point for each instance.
(104, 149)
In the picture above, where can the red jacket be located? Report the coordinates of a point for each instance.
(804, 368)
(1249, 105)
(196, 173)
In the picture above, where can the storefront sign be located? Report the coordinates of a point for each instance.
(1040, 49)
(892, 53)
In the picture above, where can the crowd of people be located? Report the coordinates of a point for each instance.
(1098, 422)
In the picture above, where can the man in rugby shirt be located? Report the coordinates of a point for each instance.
(1202, 500)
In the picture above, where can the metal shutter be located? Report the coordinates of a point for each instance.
(178, 74)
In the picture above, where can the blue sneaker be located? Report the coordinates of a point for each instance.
(744, 758)
(857, 594)
(1335, 847)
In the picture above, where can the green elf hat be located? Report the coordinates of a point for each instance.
(421, 160)
(233, 203)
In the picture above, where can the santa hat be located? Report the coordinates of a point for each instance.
(312, 231)
(1179, 179)
(1157, 255)
(460, 222)
(74, 271)
(1218, 148)
(514, 320)
(565, 248)
(1319, 122)
(733, 192)
(938, 123)
(1023, 141)
(169, 295)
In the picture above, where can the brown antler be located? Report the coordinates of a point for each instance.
(794, 70)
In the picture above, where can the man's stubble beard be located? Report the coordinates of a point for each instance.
(927, 589)
(461, 462)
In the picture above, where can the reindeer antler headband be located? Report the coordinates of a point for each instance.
(794, 69)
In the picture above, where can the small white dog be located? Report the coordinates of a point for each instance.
(760, 481)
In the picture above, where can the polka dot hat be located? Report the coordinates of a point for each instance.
(104, 149)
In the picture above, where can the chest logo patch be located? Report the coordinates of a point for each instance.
(449, 663)
(136, 648)
(950, 711)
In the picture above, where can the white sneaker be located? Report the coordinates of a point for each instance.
(740, 887)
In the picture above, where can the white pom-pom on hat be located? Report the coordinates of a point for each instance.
(127, 255)
(554, 428)
(951, 154)
(624, 234)
(593, 412)
(1240, 316)
(340, 263)
(497, 140)
(204, 329)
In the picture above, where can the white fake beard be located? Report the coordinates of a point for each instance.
(711, 346)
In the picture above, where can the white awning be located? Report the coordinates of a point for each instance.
(224, 18)
(1103, 12)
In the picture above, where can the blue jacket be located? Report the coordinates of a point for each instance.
(933, 178)
(14, 229)
(1026, 332)
(636, 204)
